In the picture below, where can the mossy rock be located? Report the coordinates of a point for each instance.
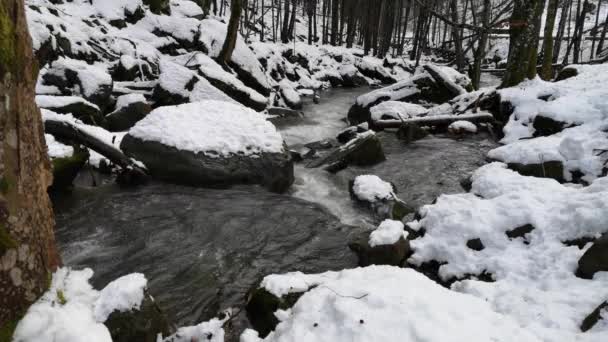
(594, 260)
(141, 325)
(261, 306)
(66, 169)
(399, 210)
(392, 255)
(549, 169)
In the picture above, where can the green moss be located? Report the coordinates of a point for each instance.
(61, 297)
(7, 330)
(66, 169)
(7, 42)
(6, 241)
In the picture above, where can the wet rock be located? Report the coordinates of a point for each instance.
(566, 73)
(66, 169)
(365, 150)
(549, 169)
(351, 133)
(393, 255)
(261, 306)
(466, 183)
(545, 126)
(580, 242)
(321, 145)
(595, 259)
(411, 132)
(282, 117)
(272, 170)
(126, 117)
(594, 317)
(476, 245)
(141, 325)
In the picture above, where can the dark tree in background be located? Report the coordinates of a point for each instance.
(232, 32)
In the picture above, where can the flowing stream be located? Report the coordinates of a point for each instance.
(203, 249)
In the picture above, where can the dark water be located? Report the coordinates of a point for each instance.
(203, 249)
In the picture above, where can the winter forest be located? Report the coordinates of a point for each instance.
(303, 170)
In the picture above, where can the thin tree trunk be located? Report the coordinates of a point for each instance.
(28, 253)
(560, 30)
(236, 7)
(480, 53)
(547, 68)
(457, 37)
(600, 45)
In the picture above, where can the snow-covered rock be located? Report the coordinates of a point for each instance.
(210, 143)
(462, 127)
(382, 303)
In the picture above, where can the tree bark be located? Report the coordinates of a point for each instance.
(236, 7)
(28, 254)
(480, 53)
(523, 45)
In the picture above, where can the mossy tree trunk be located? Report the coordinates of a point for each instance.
(523, 45)
(547, 69)
(236, 7)
(27, 245)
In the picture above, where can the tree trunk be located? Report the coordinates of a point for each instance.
(457, 37)
(560, 30)
(28, 253)
(335, 21)
(156, 6)
(480, 53)
(547, 69)
(600, 45)
(285, 28)
(236, 7)
(523, 45)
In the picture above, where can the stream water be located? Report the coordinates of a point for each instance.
(203, 249)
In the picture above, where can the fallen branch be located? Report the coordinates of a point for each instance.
(435, 120)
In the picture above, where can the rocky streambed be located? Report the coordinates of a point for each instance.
(204, 249)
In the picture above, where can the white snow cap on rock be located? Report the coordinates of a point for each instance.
(383, 303)
(67, 312)
(397, 110)
(215, 128)
(462, 126)
(372, 189)
(387, 233)
(57, 149)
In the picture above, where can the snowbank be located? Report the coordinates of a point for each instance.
(211, 127)
(382, 303)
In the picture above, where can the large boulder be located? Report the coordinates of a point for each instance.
(211, 143)
(595, 259)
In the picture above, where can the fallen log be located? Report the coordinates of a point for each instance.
(66, 131)
(435, 120)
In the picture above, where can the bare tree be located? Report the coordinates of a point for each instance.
(232, 32)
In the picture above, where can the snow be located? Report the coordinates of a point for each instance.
(387, 233)
(372, 189)
(463, 126)
(397, 91)
(290, 94)
(57, 149)
(122, 295)
(185, 8)
(67, 312)
(535, 281)
(383, 303)
(211, 330)
(397, 110)
(91, 77)
(115, 9)
(215, 128)
(50, 101)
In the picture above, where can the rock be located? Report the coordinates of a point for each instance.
(549, 169)
(476, 245)
(128, 69)
(159, 6)
(566, 73)
(321, 145)
(290, 96)
(466, 183)
(520, 232)
(545, 126)
(411, 132)
(80, 108)
(351, 77)
(365, 150)
(66, 169)
(379, 196)
(393, 255)
(261, 306)
(282, 117)
(351, 133)
(141, 325)
(127, 116)
(272, 170)
(595, 259)
(594, 317)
